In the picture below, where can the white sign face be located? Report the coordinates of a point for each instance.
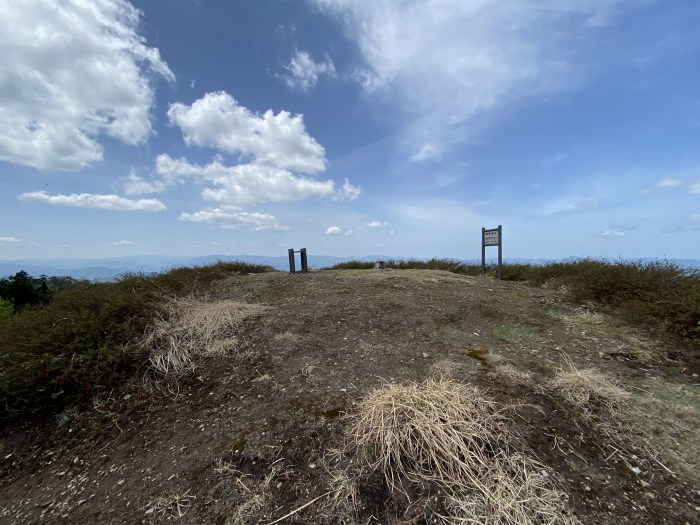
(491, 238)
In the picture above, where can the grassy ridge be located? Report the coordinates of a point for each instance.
(658, 294)
(87, 338)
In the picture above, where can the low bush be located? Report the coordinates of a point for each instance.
(656, 294)
(88, 337)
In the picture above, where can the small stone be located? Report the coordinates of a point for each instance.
(636, 470)
(312, 465)
(587, 488)
(127, 397)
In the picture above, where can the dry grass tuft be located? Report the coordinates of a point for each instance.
(246, 511)
(171, 506)
(190, 327)
(589, 390)
(455, 440)
(513, 375)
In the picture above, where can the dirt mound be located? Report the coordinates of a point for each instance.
(249, 436)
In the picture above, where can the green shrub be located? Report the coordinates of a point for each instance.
(6, 308)
(87, 339)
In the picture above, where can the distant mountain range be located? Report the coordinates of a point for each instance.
(109, 268)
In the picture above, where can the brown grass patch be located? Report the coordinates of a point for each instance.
(589, 390)
(456, 441)
(191, 327)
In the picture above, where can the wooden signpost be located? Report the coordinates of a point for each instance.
(492, 237)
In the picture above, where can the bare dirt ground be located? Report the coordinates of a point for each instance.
(246, 437)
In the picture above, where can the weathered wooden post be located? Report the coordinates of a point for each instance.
(292, 269)
(304, 262)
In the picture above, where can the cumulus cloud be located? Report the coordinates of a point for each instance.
(250, 183)
(669, 183)
(72, 71)
(136, 185)
(376, 224)
(9, 240)
(278, 140)
(303, 72)
(232, 216)
(88, 200)
(445, 64)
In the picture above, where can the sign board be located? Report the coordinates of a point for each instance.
(492, 237)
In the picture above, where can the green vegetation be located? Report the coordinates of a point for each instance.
(657, 294)
(88, 337)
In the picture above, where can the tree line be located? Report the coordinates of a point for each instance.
(22, 291)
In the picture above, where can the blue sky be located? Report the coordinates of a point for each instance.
(350, 127)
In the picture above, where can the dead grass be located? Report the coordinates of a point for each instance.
(455, 440)
(246, 511)
(513, 375)
(191, 327)
(608, 335)
(173, 505)
(668, 414)
(589, 390)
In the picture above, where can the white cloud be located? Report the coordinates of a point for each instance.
(669, 183)
(232, 216)
(123, 243)
(250, 183)
(694, 188)
(613, 233)
(303, 72)
(336, 231)
(87, 200)
(376, 224)
(136, 185)
(349, 192)
(219, 122)
(446, 63)
(70, 72)
(9, 240)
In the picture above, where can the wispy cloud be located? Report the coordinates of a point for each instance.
(9, 240)
(88, 200)
(303, 72)
(672, 228)
(232, 216)
(669, 183)
(72, 72)
(695, 217)
(135, 185)
(376, 224)
(694, 188)
(612, 233)
(466, 59)
(123, 243)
